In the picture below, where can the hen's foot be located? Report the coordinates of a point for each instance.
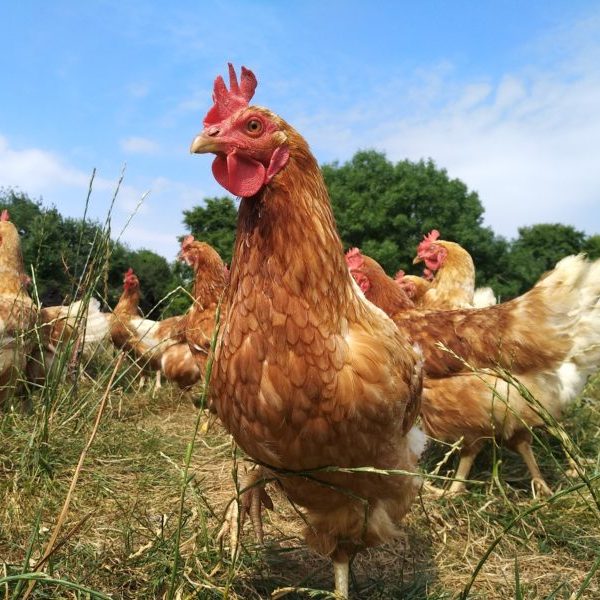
(541, 488)
(253, 497)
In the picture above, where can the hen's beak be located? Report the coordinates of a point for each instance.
(417, 260)
(204, 143)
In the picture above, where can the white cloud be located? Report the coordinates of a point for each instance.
(42, 173)
(36, 169)
(150, 219)
(149, 237)
(526, 141)
(530, 149)
(139, 145)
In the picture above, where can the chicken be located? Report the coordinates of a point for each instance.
(391, 299)
(452, 276)
(158, 345)
(549, 337)
(307, 373)
(79, 328)
(17, 312)
(210, 279)
(126, 315)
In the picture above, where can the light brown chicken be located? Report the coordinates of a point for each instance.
(210, 280)
(414, 286)
(78, 329)
(157, 345)
(451, 274)
(17, 312)
(307, 374)
(563, 306)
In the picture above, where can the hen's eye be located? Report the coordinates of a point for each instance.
(254, 126)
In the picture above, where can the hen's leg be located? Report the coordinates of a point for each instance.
(251, 503)
(158, 383)
(521, 443)
(341, 571)
(467, 458)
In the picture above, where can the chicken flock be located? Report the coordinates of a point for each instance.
(326, 370)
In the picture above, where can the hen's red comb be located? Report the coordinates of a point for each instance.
(129, 272)
(227, 101)
(4, 216)
(354, 259)
(428, 239)
(400, 275)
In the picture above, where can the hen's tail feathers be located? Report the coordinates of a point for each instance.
(93, 323)
(583, 357)
(97, 326)
(484, 297)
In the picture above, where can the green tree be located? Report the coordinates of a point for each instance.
(538, 248)
(156, 280)
(591, 246)
(214, 223)
(386, 208)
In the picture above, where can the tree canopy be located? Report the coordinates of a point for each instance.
(215, 224)
(57, 249)
(386, 208)
(538, 248)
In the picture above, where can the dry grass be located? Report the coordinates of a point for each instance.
(118, 537)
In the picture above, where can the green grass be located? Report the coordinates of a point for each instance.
(120, 533)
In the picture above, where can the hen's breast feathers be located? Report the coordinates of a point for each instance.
(307, 369)
(17, 323)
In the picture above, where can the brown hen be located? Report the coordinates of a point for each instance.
(210, 280)
(17, 312)
(307, 373)
(452, 276)
(157, 345)
(563, 306)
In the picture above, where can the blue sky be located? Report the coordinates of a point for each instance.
(504, 95)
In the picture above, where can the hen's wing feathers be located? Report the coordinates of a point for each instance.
(533, 332)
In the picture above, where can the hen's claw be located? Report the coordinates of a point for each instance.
(230, 526)
(253, 497)
(540, 487)
(252, 503)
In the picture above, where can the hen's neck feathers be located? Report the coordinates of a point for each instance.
(287, 238)
(12, 271)
(457, 265)
(385, 292)
(209, 283)
(129, 302)
(455, 279)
